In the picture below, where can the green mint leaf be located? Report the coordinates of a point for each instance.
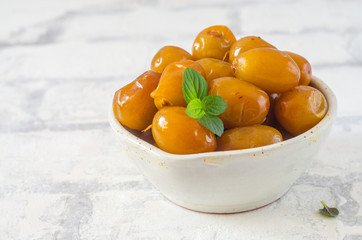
(201, 106)
(327, 211)
(194, 85)
(214, 105)
(213, 123)
(195, 109)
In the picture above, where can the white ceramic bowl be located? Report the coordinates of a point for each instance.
(229, 181)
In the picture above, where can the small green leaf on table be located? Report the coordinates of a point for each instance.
(327, 211)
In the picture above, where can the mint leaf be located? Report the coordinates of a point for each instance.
(213, 123)
(327, 211)
(195, 109)
(194, 85)
(214, 105)
(201, 106)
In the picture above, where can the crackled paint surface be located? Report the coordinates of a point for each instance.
(62, 172)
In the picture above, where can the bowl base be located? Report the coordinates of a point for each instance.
(226, 209)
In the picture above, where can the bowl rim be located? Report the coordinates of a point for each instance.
(316, 82)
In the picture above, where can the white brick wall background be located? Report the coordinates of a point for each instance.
(62, 172)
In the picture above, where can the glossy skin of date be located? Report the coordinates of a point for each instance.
(300, 109)
(247, 104)
(169, 90)
(248, 137)
(133, 105)
(175, 132)
(272, 70)
(213, 42)
(167, 55)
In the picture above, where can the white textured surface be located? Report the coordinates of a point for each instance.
(62, 173)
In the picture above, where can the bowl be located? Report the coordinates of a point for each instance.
(229, 181)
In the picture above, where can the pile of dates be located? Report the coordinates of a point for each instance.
(266, 90)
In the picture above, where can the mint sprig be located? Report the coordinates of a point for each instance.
(202, 106)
